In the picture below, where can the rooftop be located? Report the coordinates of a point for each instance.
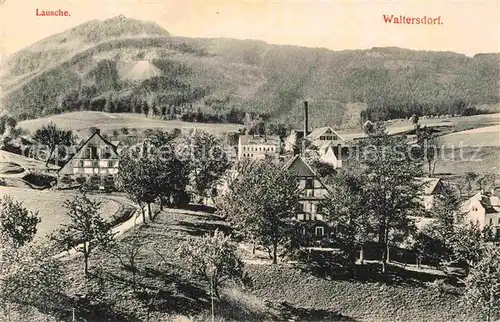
(258, 139)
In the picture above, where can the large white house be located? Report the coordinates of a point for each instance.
(95, 162)
(259, 146)
(484, 209)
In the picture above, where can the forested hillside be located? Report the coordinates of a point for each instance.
(88, 68)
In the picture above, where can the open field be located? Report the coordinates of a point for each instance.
(446, 124)
(281, 292)
(49, 204)
(483, 136)
(469, 159)
(107, 122)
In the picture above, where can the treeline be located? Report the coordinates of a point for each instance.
(393, 110)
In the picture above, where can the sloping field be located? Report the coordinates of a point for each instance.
(483, 136)
(49, 204)
(273, 293)
(77, 121)
(12, 159)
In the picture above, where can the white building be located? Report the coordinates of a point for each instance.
(484, 209)
(258, 147)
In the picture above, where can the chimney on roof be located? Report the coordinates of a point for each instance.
(306, 119)
(97, 131)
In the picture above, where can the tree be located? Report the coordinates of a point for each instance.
(208, 161)
(137, 177)
(30, 279)
(213, 258)
(16, 222)
(391, 187)
(86, 230)
(127, 251)
(261, 203)
(345, 208)
(429, 147)
(51, 136)
(482, 285)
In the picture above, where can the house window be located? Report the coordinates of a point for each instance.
(309, 183)
(319, 208)
(304, 208)
(491, 221)
(93, 152)
(319, 231)
(111, 163)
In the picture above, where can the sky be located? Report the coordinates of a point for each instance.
(468, 27)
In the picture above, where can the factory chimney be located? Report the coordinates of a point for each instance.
(306, 119)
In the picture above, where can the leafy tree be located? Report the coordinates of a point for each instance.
(482, 285)
(429, 147)
(30, 279)
(261, 203)
(345, 208)
(137, 177)
(391, 187)
(86, 230)
(208, 161)
(213, 258)
(16, 222)
(51, 136)
(172, 173)
(6, 122)
(127, 252)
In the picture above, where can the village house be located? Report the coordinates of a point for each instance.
(313, 191)
(95, 162)
(258, 147)
(325, 141)
(432, 188)
(484, 209)
(325, 135)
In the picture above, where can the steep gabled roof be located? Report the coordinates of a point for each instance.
(318, 131)
(113, 148)
(431, 185)
(299, 166)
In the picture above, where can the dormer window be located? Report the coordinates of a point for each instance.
(309, 183)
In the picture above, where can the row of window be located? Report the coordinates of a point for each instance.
(261, 149)
(68, 179)
(318, 231)
(95, 164)
(92, 152)
(328, 137)
(491, 221)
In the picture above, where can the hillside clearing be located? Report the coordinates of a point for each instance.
(107, 122)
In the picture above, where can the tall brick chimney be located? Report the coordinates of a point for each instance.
(306, 119)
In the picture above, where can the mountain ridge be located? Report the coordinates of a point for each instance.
(219, 74)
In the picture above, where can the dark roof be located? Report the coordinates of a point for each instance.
(300, 167)
(431, 185)
(258, 139)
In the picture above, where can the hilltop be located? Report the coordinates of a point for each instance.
(127, 65)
